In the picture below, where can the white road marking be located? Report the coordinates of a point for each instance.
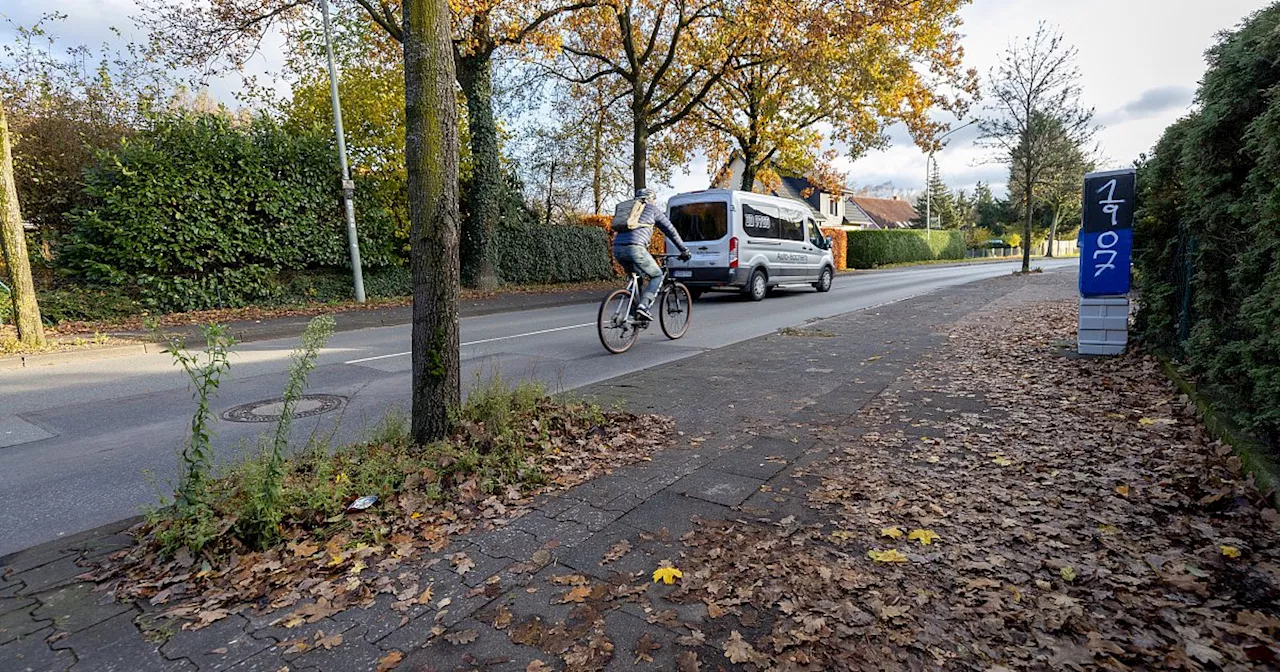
(479, 342)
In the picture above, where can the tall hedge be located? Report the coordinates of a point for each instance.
(872, 248)
(1208, 233)
(839, 247)
(528, 253)
(198, 212)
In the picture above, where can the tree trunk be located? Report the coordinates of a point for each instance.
(748, 182)
(639, 141)
(483, 199)
(597, 166)
(1026, 235)
(551, 187)
(13, 243)
(431, 157)
(1053, 231)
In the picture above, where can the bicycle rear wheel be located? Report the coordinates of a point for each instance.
(616, 328)
(675, 311)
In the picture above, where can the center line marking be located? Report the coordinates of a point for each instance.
(479, 342)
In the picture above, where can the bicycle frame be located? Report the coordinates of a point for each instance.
(633, 288)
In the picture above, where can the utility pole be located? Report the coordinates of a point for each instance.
(348, 185)
(928, 178)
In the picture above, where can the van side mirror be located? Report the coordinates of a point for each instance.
(827, 240)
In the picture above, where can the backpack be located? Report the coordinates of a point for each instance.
(627, 216)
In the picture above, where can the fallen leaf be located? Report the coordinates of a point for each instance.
(842, 535)
(425, 597)
(1122, 490)
(576, 594)
(538, 666)
(644, 649)
(1146, 422)
(1203, 652)
(1230, 551)
(890, 556)
(502, 617)
(738, 650)
(390, 661)
(461, 563)
(667, 575)
(461, 637)
(1002, 460)
(891, 532)
(303, 549)
(1067, 573)
(328, 642)
(925, 537)
(687, 661)
(619, 549)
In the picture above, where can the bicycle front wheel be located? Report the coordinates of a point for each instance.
(675, 311)
(616, 328)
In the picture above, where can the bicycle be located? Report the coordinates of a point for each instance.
(619, 327)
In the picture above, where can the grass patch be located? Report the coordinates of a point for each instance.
(509, 443)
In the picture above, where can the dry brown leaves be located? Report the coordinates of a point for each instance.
(326, 575)
(1083, 521)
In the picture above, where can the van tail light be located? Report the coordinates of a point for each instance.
(733, 252)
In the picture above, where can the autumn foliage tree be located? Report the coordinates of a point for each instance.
(663, 56)
(848, 66)
(1034, 111)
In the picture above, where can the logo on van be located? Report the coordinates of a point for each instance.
(755, 221)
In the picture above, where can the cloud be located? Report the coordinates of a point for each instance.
(1153, 102)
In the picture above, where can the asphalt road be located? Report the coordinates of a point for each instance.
(86, 444)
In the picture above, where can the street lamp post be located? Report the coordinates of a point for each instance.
(348, 185)
(928, 175)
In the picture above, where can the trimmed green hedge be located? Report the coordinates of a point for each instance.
(868, 249)
(526, 254)
(1207, 237)
(198, 212)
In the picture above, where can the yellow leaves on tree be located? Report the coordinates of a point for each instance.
(850, 67)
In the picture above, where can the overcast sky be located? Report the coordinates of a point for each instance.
(1140, 62)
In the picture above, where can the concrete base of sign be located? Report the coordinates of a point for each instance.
(1103, 328)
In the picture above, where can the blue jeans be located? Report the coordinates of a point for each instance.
(636, 259)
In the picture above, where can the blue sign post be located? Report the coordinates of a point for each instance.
(1106, 239)
(1106, 251)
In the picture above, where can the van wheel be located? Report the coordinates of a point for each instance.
(824, 281)
(757, 287)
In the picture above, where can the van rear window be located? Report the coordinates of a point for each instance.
(701, 221)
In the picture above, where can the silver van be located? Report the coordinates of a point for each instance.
(748, 242)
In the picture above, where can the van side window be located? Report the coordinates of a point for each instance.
(792, 229)
(761, 221)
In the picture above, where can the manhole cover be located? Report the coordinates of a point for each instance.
(269, 410)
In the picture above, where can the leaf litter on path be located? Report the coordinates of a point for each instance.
(1048, 563)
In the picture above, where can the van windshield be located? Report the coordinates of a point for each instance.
(701, 221)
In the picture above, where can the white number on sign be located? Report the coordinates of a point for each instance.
(1111, 205)
(1106, 241)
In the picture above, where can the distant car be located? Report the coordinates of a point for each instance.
(749, 243)
(996, 242)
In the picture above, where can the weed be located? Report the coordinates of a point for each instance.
(205, 371)
(262, 520)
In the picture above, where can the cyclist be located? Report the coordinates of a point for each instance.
(631, 249)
